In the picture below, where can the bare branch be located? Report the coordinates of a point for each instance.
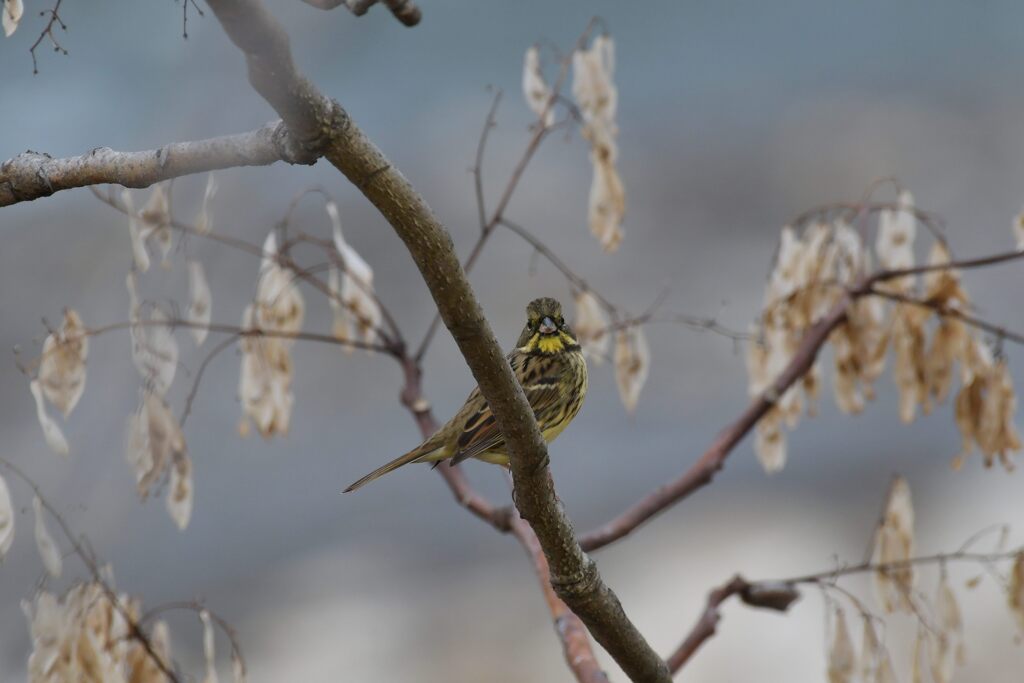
(704, 469)
(770, 596)
(32, 175)
(47, 32)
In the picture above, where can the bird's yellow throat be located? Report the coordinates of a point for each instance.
(554, 343)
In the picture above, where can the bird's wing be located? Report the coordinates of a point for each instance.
(539, 378)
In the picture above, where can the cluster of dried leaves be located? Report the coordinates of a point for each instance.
(83, 636)
(813, 271)
(596, 98)
(939, 647)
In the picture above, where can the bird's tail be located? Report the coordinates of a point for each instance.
(423, 453)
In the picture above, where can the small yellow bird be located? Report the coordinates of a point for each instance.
(549, 365)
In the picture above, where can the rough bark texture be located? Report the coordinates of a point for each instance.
(32, 175)
(322, 125)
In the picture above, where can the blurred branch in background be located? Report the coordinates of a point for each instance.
(32, 175)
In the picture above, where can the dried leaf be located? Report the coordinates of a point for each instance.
(535, 89)
(179, 494)
(62, 364)
(894, 545)
(279, 303)
(48, 550)
(135, 232)
(237, 668)
(632, 364)
(203, 219)
(895, 242)
(200, 303)
(156, 220)
(591, 327)
(607, 204)
(153, 440)
(842, 659)
(356, 310)
(885, 670)
(770, 441)
(208, 649)
(154, 348)
(12, 12)
(51, 430)
(947, 647)
(1015, 590)
(264, 385)
(870, 652)
(6, 519)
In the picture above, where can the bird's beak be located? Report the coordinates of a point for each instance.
(547, 326)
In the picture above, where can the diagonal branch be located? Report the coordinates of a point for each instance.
(32, 175)
(579, 654)
(704, 469)
(317, 121)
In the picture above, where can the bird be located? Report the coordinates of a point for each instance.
(549, 365)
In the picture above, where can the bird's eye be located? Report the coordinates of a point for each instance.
(561, 320)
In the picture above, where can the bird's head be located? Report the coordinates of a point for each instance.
(546, 331)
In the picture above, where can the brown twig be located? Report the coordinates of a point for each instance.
(776, 596)
(47, 32)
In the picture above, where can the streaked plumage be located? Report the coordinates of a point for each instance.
(549, 365)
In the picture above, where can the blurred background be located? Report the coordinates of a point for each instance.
(734, 117)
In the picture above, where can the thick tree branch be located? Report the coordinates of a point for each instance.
(322, 124)
(32, 175)
(579, 654)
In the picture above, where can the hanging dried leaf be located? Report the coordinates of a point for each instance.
(909, 366)
(154, 348)
(208, 649)
(12, 13)
(156, 222)
(51, 430)
(203, 222)
(597, 99)
(895, 243)
(153, 440)
(357, 313)
(947, 647)
(237, 668)
(607, 204)
(200, 302)
(47, 547)
(894, 545)
(535, 89)
(870, 652)
(886, 674)
(6, 519)
(632, 364)
(135, 232)
(264, 385)
(770, 441)
(179, 495)
(279, 303)
(1015, 590)
(842, 659)
(62, 364)
(591, 327)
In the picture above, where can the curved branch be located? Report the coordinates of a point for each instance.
(323, 124)
(32, 175)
